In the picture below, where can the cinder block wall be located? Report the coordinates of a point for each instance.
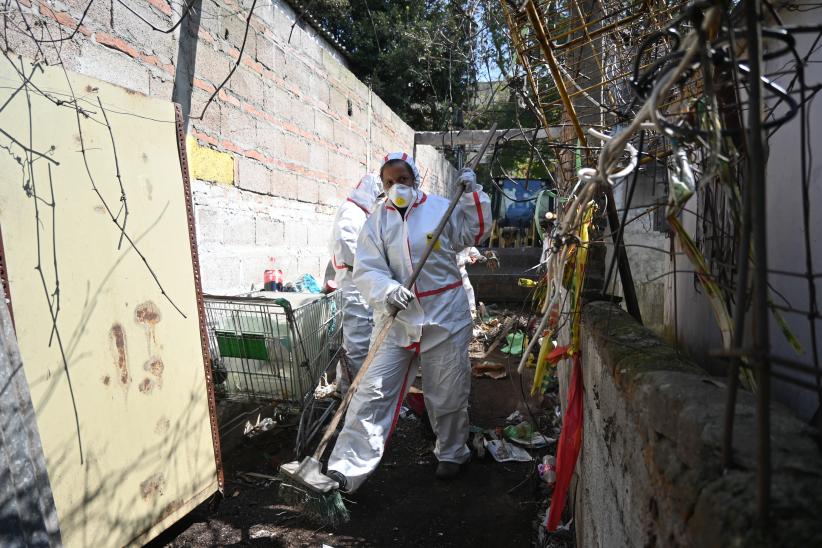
(279, 147)
(650, 470)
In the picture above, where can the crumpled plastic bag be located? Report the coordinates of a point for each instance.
(307, 284)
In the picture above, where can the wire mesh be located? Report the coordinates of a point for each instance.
(273, 348)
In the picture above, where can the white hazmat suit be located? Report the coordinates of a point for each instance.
(432, 333)
(357, 320)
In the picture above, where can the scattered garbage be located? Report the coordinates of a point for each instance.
(524, 434)
(416, 402)
(547, 470)
(514, 418)
(535, 441)
(406, 413)
(515, 342)
(502, 451)
(478, 444)
(324, 388)
(307, 284)
(262, 425)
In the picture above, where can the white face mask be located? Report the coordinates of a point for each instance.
(402, 195)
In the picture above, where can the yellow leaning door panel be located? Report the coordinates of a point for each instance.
(95, 223)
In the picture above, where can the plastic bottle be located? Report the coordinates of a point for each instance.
(548, 470)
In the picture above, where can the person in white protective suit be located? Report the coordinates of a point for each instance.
(467, 256)
(432, 329)
(357, 320)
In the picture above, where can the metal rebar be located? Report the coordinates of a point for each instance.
(536, 20)
(761, 342)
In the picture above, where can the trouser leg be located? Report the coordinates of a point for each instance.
(372, 415)
(357, 326)
(446, 384)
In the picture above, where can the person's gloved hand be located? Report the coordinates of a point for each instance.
(468, 179)
(399, 298)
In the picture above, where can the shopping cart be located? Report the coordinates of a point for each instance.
(276, 347)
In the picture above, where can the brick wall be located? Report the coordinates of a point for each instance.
(278, 148)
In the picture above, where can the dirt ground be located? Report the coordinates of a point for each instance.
(402, 504)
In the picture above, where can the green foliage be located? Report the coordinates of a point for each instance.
(417, 55)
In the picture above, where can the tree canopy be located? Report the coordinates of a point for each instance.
(418, 55)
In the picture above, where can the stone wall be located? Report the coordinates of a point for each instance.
(280, 145)
(650, 472)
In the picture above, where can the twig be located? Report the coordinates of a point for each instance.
(123, 197)
(155, 28)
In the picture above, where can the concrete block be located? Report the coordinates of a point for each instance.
(248, 86)
(268, 231)
(238, 228)
(310, 265)
(253, 176)
(339, 101)
(209, 225)
(298, 74)
(308, 190)
(98, 16)
(278, 102)
(270, 139)
(210, 122)
(283, 21)
(238, 126)
(284, 184)
(318, 156)
(264, 53)
(137, 33)
(296, 150)
(321, 91)
(303, 115)
(296, 233)
(328, 194)
(212, 65)
(320, 234)
(113, 67)
(324, 127)
(312, 48)
(252, 268)
(160, 86)
(219, 273)
(231, 26)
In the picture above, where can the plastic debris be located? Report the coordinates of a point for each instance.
(324, 388)
(503, 451)
(535, 441)
(515, 342)
(478, 444)
(263, 425)
(514, 418)
(547, 470)
(524, 434)
(308, 284)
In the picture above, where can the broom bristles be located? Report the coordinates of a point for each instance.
(320, 508)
